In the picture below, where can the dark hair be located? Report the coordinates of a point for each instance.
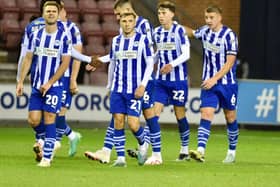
(214, 8)
(44, 1)
(33, 17)
(167, 4)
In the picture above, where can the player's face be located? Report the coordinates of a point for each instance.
(126, 7)
(127, 24)
(117, 12)
(62, 13)
(50, 14)
(213, 20)
(165, 16)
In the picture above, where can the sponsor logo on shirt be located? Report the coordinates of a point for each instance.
(166, 46)
(211, 47)
(40, 51)
(126, 54)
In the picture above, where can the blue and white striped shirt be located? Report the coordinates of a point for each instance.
(216, 47)
(143, 26)
(47, 50)
(75, 36)
(128, 57)
(32, 27)
(168, 44)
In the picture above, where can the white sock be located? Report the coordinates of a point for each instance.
(72, 135)
(156, 154)
(184, 150)
(231, 152)
(121, 158)
(41, 142)
(143, 148)
(107, 150)
(201, 150)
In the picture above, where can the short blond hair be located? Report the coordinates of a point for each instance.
(52, 3)
(214, 8)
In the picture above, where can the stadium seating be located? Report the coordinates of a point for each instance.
(105, 4)
(73, 12)
(95, 38)
(11, 33)
(7, 24)
(28, 8)
(90, 10)
(99, 77)
(8, 4)
(27, 4)
(13, 38)
(95, 18)
(112, 27)
(90, 27)
(9, 9)
(92, 49)
(108, 16)
(96, 78)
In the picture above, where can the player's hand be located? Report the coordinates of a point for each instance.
(108, 94)
(44, 88)
(19, 89)
(74, 87)
(166, 69)
(90, 68)
(139, 92)
(95, 62)
(209, 83)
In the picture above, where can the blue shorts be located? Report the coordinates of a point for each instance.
(224, 95)
(121, 103)
(51, 102)
(148, 98)
(171, 92)
(66, 94)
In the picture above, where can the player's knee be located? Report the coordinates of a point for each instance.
(207, 115)
(230, 117)
(118, 123)
(33, 121)
(134, 127)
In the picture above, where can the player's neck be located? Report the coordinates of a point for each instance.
(168, 25)
(218, 28)
(128, 35)
(51, 28)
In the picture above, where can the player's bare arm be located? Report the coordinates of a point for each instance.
(209, 83)
(139, 92)
(166, 69)
(23, 72)
(189, 31)
(75, 71)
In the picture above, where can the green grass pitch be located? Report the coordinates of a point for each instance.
(257, 164)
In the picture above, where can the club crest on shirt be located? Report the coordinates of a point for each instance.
(135, 44)
(56, 43)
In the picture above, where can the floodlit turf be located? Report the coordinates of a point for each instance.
(257, 162)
